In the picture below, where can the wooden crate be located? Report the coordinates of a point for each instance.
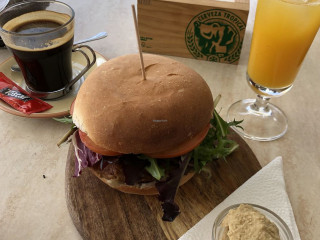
(209, 30)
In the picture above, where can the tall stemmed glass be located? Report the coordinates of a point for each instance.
(283, 32)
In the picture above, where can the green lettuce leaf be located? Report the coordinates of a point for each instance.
(154, 169)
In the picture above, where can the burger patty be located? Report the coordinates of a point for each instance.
(126, 168)
(129, 168)
(110, 170)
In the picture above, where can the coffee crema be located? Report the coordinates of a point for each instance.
(39, 22)
(37, 27)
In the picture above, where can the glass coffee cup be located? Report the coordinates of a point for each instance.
(40, 36)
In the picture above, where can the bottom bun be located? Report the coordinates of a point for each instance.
(141, 189)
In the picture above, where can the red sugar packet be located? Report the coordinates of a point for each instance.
(20, 99)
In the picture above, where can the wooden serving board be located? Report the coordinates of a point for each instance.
(100, 212)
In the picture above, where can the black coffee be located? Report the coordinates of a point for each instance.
(46, 68)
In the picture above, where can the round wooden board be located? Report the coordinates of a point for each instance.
(100, 212)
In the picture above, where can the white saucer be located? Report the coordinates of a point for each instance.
(61, 106)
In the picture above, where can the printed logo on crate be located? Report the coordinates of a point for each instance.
(214, 35)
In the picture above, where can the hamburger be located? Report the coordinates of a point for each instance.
(146, 136)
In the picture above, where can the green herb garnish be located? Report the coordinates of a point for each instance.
(67, 120)
(216, 144)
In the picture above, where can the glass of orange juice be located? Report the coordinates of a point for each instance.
(283, 32)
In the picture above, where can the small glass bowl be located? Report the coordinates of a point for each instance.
(218, 230)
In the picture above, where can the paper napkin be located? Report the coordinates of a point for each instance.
(3, 4)
(266, 188)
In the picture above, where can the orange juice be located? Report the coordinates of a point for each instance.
(283, 32)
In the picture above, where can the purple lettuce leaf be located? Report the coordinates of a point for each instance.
(84, 156)
(168, 189)
(133, 168)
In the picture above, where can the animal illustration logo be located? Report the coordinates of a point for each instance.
(214, 35)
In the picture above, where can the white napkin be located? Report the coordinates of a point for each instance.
(3, 4)
(266, 188)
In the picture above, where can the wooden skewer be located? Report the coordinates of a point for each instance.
(138, 40)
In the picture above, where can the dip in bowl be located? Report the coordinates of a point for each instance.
(249, 222)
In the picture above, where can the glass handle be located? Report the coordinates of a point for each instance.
(78, 48)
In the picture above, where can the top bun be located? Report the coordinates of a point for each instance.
(121, 112)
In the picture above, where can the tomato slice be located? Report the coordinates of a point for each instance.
(183, 148)
(94, 147)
